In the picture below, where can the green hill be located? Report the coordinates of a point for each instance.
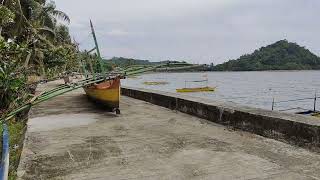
(282, 55)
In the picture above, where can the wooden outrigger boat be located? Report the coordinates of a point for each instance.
(106, 93)
(196, 89)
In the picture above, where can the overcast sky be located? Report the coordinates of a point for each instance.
(199, 31)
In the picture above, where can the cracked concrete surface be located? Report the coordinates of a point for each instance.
(70, 138)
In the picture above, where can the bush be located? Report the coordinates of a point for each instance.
(12, 86)
(13, 79)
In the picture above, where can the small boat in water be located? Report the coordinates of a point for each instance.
(106, 93)
(205, 88)
(200, 89)
(154, 83)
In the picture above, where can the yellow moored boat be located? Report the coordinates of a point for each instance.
(201, 89)
(106, 93)
(154, 83)
(197, 89)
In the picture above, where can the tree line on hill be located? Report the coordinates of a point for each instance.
(282, 55)
(124, 62)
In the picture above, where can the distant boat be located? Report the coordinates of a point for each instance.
(201, 89)
(154, 83)
(197, 89)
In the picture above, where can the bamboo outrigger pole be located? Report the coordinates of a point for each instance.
(97, 46)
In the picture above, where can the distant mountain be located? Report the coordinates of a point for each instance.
(282, 55)
(121, 61)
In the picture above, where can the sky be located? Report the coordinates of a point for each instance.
(197, 31)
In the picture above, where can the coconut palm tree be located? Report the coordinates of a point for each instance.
(36, 25)
(33, 17)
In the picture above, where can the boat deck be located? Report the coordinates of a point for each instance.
(70, 138)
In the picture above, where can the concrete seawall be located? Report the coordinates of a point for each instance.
(294, 129)
(69, 137)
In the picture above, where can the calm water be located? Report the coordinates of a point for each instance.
(255, 89)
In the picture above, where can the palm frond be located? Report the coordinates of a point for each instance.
(46, 30)
(61, 15)
(49, 21)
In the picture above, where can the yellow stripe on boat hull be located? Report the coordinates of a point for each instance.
(106, 93)
(204, 89)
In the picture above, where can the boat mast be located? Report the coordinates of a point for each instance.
(97, 46)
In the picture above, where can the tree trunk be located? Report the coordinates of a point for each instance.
(26, 63)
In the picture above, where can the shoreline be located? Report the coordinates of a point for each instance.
(232, 71)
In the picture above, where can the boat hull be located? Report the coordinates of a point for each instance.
(188, 90)
(106, 93)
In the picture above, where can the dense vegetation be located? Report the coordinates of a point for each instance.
(281, 55)
(121, 61)
(34, 42)
(125, 62)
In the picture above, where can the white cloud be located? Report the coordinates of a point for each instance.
(117, 32)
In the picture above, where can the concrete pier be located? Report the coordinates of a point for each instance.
(70, 138)
(295, 129)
